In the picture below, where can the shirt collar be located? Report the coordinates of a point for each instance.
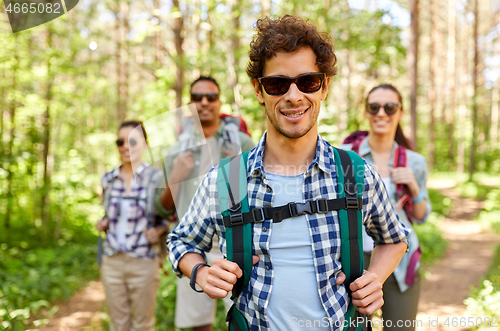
(139, 172)
(323, 157)
(365, 149)
(116, 172)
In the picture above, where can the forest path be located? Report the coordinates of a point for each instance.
(81, 312)
(466, 260)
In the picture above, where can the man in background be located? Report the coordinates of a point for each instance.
(224, 138)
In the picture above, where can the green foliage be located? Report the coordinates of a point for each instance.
(165, 302)
(31, 279)
(490, 216)
(165, 306)
(431, 239)
(441, 204)
(473, 190)
(485, 300)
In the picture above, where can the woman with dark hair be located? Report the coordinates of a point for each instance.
(130, 264)
(404, 173)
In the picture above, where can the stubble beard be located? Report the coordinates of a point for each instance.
(292, 135)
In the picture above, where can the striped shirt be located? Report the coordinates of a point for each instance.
(203, 220)
(136, 243)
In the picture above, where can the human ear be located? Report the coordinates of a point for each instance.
(258, 91)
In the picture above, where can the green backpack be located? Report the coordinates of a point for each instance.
(238, 219)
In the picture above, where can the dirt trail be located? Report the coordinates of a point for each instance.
(466, 260)
(81, 312)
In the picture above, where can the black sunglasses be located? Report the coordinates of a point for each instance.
(389, 108)
(120, 142)
(306, 83)
(211, 97)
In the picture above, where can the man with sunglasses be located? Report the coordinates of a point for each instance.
(296, 280)
(193, 310)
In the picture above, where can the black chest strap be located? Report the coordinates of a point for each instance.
(292, 209)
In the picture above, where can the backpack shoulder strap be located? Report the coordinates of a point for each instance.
(107, 183)
(231, 134)
(350, 184)
(150, 182)
(233, 201)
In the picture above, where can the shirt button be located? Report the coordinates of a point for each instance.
(268, 189)
(267, 267)
(264, 229)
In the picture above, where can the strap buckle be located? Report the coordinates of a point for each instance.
(258, 215)
(292, 208)
(321, 206)
(304, 208)
(352, 203)
(235, 218)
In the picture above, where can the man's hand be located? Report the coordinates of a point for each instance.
(218, 280)
(340, 278)
(183, 165)
(102, 225)
(367, 293)
(151, 235)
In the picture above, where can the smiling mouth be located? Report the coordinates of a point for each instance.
(294, 114)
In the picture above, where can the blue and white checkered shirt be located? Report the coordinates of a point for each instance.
(203, 219)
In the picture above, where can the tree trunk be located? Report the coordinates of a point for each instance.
(124, 88)
(451, 78)
(234, 58)
(10, 153)
(2, 110)
(160, 48)
(120, 59)
(495, 90)
(45, 201)
(413, 64)
(265, 6)
(475, 77)
(178, 41)
(463, 94)
(432, 87)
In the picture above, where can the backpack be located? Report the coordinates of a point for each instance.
(402, 192)
(150, 184)
(237, 218)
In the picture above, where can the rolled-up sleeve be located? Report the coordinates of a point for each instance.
(196, 229)
(380, 219)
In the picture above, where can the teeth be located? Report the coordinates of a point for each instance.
(294, 115)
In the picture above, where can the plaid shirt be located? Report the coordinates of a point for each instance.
(136, 243)
(203, 219)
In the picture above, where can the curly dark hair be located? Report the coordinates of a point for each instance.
(288, 34)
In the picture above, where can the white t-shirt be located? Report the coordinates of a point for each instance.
(121, 227)
(295, 298)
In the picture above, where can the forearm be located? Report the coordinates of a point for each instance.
(419, 210)
(385, 258)
(167, 196)
(188, 261)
